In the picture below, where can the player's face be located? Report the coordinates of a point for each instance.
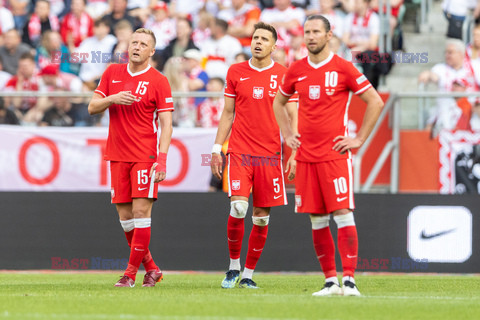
(140, 48)
(315, 36)
(262, 44)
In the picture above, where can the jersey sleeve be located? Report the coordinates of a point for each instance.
(356, 81)
(102, 87)
(164, 96)
(230, 85)
(287, 88)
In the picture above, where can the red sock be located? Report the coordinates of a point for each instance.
(348, 248)
(325, 249)
(140, 242)
(235, 231)
(256, 243)
(147, 261)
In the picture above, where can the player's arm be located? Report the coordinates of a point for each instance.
(99, 103)
(224, 127)
(374, 107)
(292, 112)
(281, 114)
(165, 121)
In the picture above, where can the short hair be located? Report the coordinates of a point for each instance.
(222, 24)
(122, 25)
(268, 27)
(27, 56)
(150, 33)
(101, 21)
(326, 23)
(457, 43)
(218, 79)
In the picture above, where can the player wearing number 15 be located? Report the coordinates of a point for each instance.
(138, 99)
(254, 150)
(323, 185)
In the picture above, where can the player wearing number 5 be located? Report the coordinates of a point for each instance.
(324, 185)
(254, 151)
(139, 101)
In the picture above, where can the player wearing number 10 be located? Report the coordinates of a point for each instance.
(323, 186)
(254, 150)
(138, 97)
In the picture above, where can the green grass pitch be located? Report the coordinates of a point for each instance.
(198, 296)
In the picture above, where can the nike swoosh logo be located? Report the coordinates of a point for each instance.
(425, 236)
(257, 249)
(242, 79)
(232, 240)
(341, 199)
(321, 256)
(116, 81)
(302, 78)
(141, 189)
(276, 197)
(351, 257)
(136, 249)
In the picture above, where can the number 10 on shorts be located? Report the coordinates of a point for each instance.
(340, 185)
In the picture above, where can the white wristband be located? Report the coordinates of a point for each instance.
(217, 148)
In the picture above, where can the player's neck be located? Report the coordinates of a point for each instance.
(261, 63)
(134, 67)
(319, 57)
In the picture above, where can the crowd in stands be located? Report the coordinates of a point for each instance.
(65, 45)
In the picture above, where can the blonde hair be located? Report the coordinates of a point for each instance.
(149, 32)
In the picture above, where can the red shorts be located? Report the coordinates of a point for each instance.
(131, 180)
(323, 187)
(262, 175)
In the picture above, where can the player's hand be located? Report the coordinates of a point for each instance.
(293, 142)
(159, 176)
(292, 165)
(344, 143)
(123, 98)
(217, 165)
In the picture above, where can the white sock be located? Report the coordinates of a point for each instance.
(332, 279)
(247, 273)
(348, 278)
(235, 264)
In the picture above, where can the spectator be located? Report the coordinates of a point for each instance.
(362, 28)
(456, 12)
(60, 8)
(97, 8)
(334, 16)
(6, 21)
(197, 78)
(140, 9)
(339, 48)
(26, 79)
(51, 51)
(173, 70)
(445, 73)
(240, 57)
(12, 50)
(58, 113)
(180, 44)
(475, 119)
(77, 25)
(97, 46)
(4, 76)
(7, 116)
(203, 30)
(310, 6)
(473, 49)
(220, 50)
(453, 113)
(297, 49)
(241, 18)
(215, 6)
(280, 57)
(19, 9)
(119, 12)
(123, 31)
(186, 9)
(162, 26)
(210, 110)
(40, 21)
(284, 17)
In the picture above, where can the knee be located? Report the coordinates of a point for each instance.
(261, 221)
(238, 209)
(140, 213)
